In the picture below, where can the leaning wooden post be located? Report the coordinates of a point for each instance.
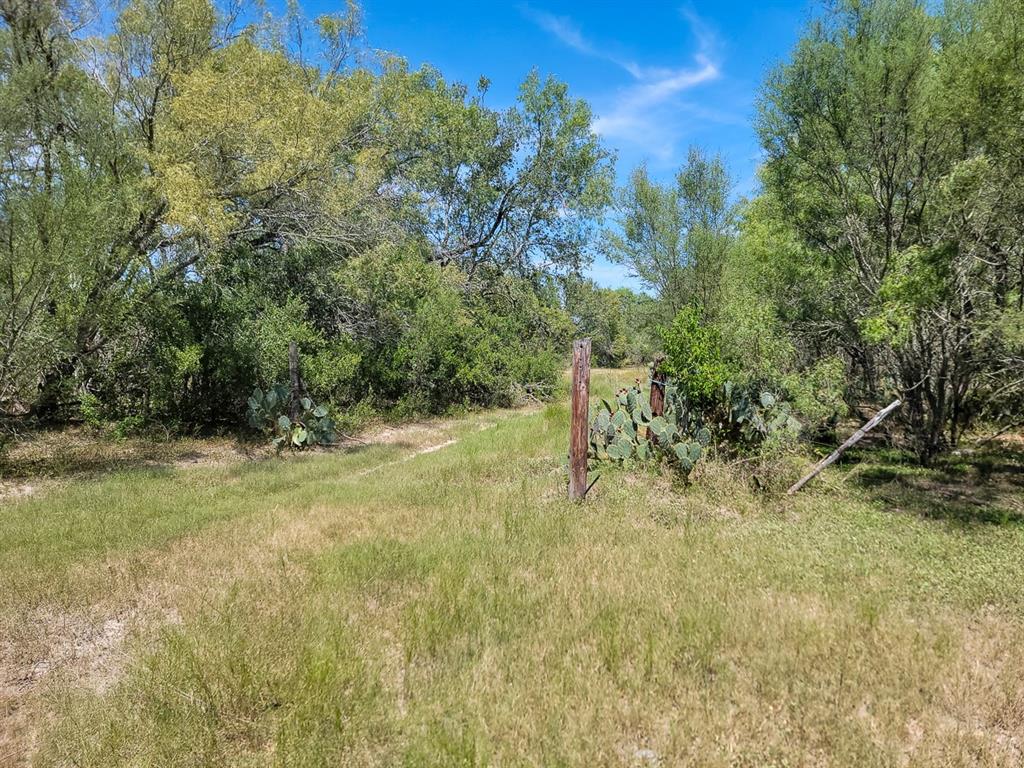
(856, 436)
(579, 426)
(658, 378)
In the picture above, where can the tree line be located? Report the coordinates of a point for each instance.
(186, 187)
(884, 252)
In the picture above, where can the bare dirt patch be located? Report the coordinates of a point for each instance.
(42, 460)
(53, 644)
(17, 490)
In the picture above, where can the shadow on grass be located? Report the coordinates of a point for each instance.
(973, 485)
(83, 453)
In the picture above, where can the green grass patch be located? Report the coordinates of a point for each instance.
(452, 608)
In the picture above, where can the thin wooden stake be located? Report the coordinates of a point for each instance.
(658, 378)
(297, 389)
(579, 426)
(1002, 431)
(854, 438)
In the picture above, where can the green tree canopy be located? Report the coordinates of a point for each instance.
(884, 157)
(175, 172)
(674, 238)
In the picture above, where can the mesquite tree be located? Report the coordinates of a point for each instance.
(884, 161)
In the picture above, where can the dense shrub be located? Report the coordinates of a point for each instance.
(752, 396)
(384, 331)
(430, 340)
(694, 358)
(817, 391)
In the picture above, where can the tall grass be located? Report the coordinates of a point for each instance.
(454, 609)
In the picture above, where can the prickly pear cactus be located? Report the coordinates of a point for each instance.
(267, 413)
(753, 416)
(743, 418)
(627, 429)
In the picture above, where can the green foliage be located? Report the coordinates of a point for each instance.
(510, 189)
(429, 341)
(129, 426)
(914, 284)
(91, 410)
(770, 289)
(755, 418)
(226, 191)
(694, 357)
(93, 413)
(675, 237)
(268, 413)
(817, 392)
(893, 186)
(182, 196)
(619, 322)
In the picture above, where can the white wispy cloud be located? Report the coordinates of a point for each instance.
(637, 112)
(647, 111)
(567, 31)
(561, 27)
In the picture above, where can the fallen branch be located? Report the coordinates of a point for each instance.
(854, 438)
(1001, 432)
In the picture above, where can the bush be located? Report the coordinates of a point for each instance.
(817, 392)
(90, 409)
(432, 341)
(757, 361)
(694, 358)
(618, 321)
(383, 331)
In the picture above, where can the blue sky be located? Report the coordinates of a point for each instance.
(659, 76)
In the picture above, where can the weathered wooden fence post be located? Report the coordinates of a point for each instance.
(842, 448)
(579, 426)
(297, 389)
(658, 378)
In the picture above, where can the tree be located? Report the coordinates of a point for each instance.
(618, 321)
(181, 195)
(81, 207)
(898, 200)
(675, 238)
(517, 190)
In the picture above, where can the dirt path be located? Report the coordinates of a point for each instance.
(32, 467)
(88, 648)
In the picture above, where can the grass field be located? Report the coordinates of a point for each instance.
(433, 600)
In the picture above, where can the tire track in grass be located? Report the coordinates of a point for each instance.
(410, 457)
(85, 646)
